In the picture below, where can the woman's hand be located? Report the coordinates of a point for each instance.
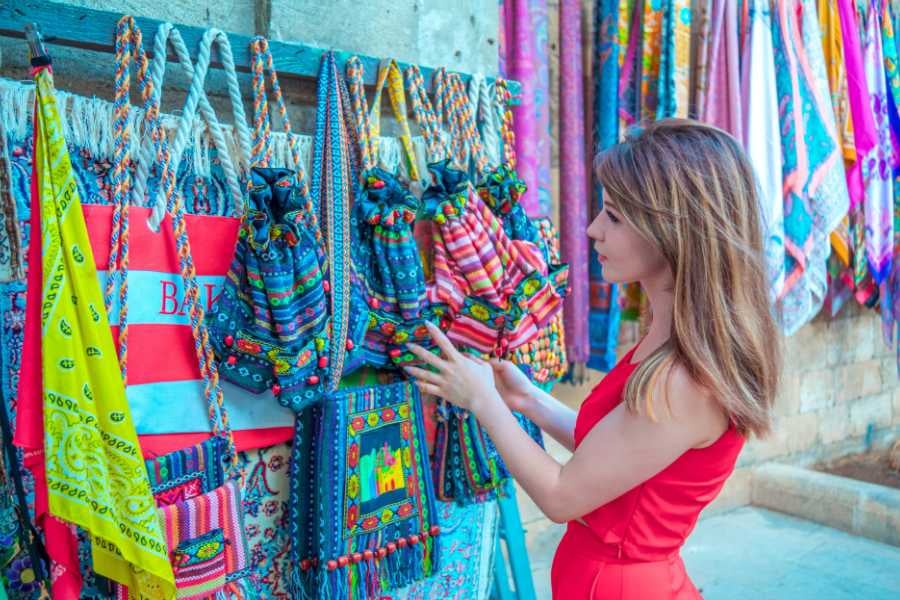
(463, 381)
(513, 386)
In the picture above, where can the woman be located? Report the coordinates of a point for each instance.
(656, 439)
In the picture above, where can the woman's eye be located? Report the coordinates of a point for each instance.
(612, 217)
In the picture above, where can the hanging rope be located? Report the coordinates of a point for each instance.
(129, 47)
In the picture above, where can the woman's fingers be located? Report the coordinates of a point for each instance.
(442, 341)
(426, 356)
(428, 388)
(425, 375)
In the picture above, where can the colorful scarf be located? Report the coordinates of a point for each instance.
(877, 171)
(524, 58)
(603, 317)
(573, 180)
(814, 188)
(722, 99)
(890, 294)
(106, 493)
(762, 136)
(839, 263)
(865, 135)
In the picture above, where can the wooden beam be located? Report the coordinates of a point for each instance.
(89, 29)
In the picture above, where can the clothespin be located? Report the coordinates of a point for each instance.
(36, 45)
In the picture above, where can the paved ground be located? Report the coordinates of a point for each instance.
(752, 553)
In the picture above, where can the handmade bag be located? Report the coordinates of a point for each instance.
(493, 287)
(390, 264)
(375, 515)
(544, 357)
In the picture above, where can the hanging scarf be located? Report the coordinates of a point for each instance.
(524, 58)
(879, 190)
(573, 180)
(666, 50)
(85, 409)
(814, 188)
(722, 100)
(865, 135)
(839, 271)
(603, 318)
(890, 294)
(762, 136)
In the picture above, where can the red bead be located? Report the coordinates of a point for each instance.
(391, 547)
(395, 353)
(401, 542)
(229, 340)
(382, 553)
(305, 564)
(326, 286)
(373, 302)
(276, 389)
(343, 561)
(376, 219)
(414, 539)
(349, 344)
(378, 184)
(323, 362)
(332, 565)
(312, 379)
(369, 555)
(435, 530)
(232, 360)
(356, 557)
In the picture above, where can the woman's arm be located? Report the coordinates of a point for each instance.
(551, 415)
(523, 396)
(621, 451)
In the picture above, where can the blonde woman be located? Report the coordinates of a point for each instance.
(656, 439)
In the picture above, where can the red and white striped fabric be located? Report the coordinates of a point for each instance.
(165, 388)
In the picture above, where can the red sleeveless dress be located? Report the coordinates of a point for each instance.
(629, 549)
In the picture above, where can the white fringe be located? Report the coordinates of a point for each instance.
(89, 123)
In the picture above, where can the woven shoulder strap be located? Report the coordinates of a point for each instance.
(334, 184)
(487, 118)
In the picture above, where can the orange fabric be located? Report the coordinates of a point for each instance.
(628, 548)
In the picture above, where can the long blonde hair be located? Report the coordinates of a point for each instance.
(689, 188)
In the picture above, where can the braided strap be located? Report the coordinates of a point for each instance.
(467, 128)
(261, 154)
(357, 89)
(486, 118)
(389, 74)
(129, 47)
(504, 100)
(424, 112)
